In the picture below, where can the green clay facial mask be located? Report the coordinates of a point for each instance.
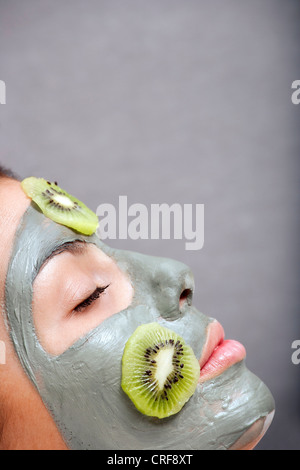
(82, 386)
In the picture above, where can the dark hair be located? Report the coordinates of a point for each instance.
(6, 173)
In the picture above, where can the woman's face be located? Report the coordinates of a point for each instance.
(72, 303)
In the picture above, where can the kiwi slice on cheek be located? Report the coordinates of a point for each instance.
(159, 371)
(58, 205)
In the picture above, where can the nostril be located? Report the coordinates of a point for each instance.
(185, 298)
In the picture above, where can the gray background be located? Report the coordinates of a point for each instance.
(185, 101)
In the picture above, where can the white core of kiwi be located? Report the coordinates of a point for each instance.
(164, 366)
(63, 201)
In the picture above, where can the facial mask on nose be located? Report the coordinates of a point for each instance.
(82, 387)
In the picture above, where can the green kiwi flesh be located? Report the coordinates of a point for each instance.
(159, 371)
(58, 205)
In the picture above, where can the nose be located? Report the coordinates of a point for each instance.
(173, 288)
(164, 284)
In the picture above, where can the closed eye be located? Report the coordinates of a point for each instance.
(91, 299)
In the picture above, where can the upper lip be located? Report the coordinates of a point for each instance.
(215, 336)
(218, 354)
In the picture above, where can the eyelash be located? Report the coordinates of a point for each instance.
(91, 299)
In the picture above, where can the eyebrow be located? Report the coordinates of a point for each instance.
(75, 248)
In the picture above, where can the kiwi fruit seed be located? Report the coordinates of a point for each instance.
(59, 206)
(159, 371)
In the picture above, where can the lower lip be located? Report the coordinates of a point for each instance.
(225, 355)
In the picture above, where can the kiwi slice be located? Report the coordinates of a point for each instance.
(159, 371)
(59, 206)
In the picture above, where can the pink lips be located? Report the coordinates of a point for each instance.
(219, 354)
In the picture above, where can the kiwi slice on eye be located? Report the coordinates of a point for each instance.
(159, 371)
(59, 206)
